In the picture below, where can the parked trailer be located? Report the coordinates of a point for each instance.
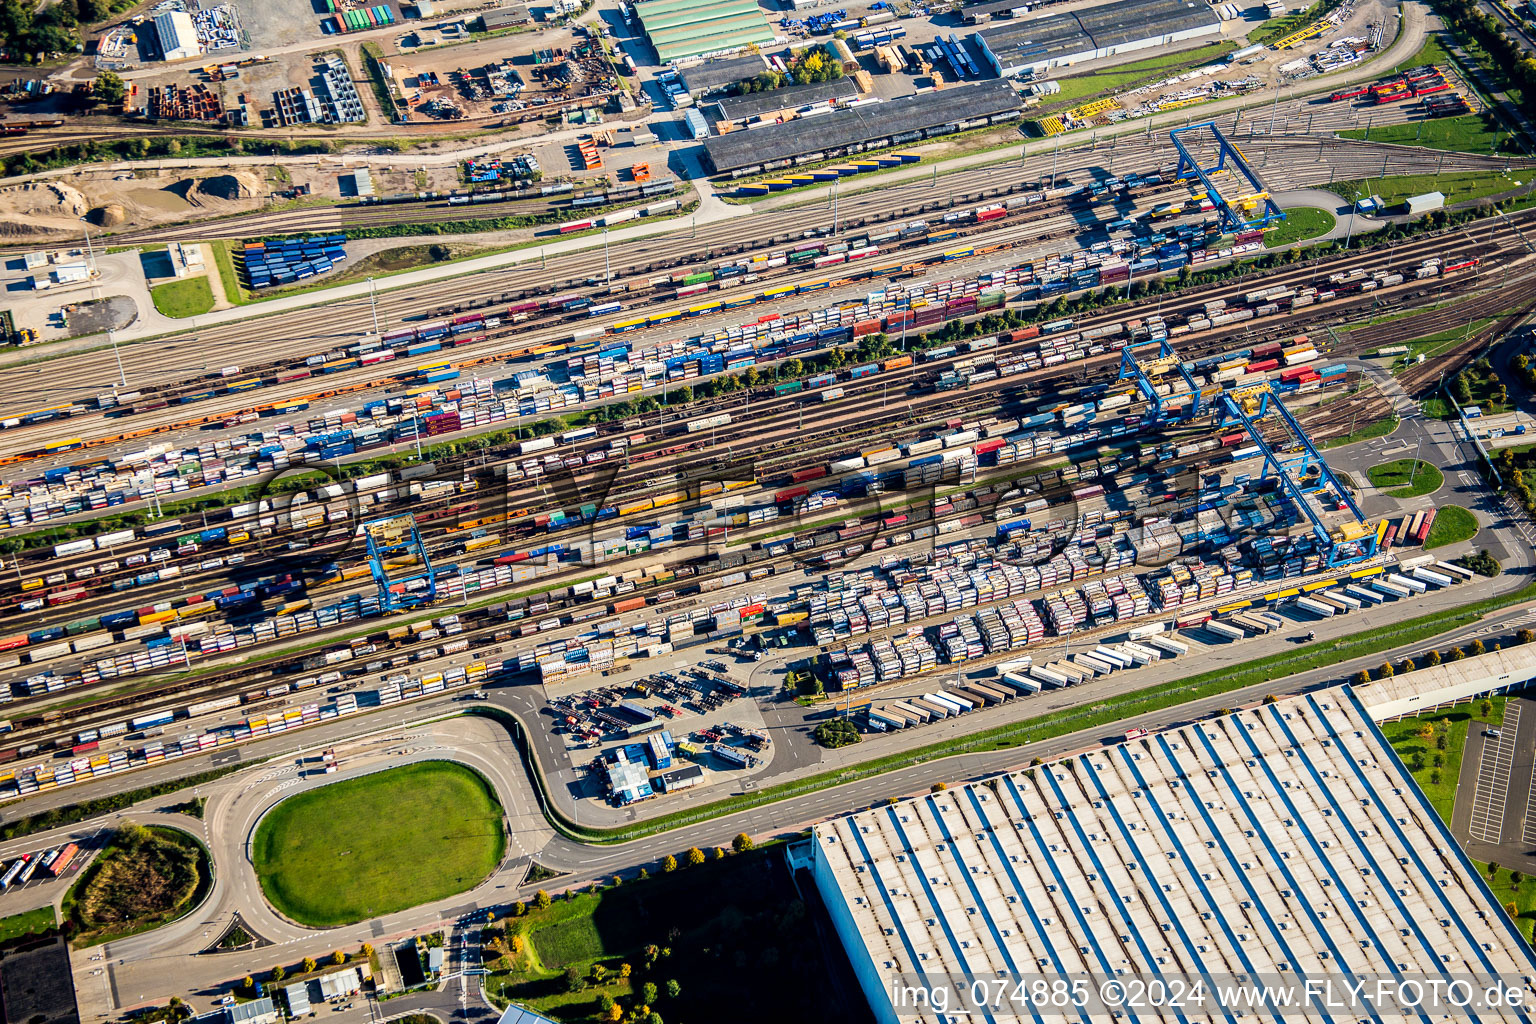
(1457, 572)
(913, 711)
(1047, 677)
(1274, 621)
(1118, 659)
(1023, 683)
(1097, 666)
(1075, 673)
(1169, 645)
(1002, 691)
(1251, 623)
(977, 692)
(960, 701)
(1348, 600)
(1147, 652)
(1225, 629)
(1390, 589)
(1318, 608)
(1323, 597)
(1407, 582)
(1149, 630)
(1430, 576)
(1364, 593)
(893, 719)
(933, 707)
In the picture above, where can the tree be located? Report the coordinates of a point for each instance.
(279, 973)
(573, 980)
(439, 252)
(1406, 665)
(937, 787)
(1516, 877)
(519, 908)
(653, 1018)
(615, 1013)
(1385, 672)
(338, 958)
(1477, 647)
(247, 983)
(625, 970)
(309, 964)
(695, 856)
(1457, 654)
(668, 864)
(648, 993)
(1362, 677)
(599, 974)
(1525, 636)
(742, 843)
(673, 988)
(109, 89)
(367, 949)
(651, 952)
(541, 900)
(604, 1002)
(1433, 657)
(1424, 732)
(1493, 870)
(720, 853)
(1484, 708)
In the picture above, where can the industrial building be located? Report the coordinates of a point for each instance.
(714, 76)
(769, 106)
(680, 29)
(856, 129)
(1031, 45)
(1284, 840)
(505, 17)
(177, 36)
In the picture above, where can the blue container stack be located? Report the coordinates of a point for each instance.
(291, 260)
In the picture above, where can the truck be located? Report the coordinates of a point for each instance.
(1169, 645)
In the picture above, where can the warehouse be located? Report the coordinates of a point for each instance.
(177, 36)
(1284, 838)
(1059, 40)
(505, 17)
(679, 29)
(767, 105)
(856, 129)
(714, 76)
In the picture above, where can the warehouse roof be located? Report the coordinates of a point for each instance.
(689, 28)
(505, 17)
(850, 126)
(1053, 36)
(714, 75)
(742, 108)
(1287, 837)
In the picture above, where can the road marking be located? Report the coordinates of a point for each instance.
(1487, 824)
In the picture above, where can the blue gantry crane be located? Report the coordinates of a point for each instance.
(1143, 369)
(394, 544)
(1249, 210)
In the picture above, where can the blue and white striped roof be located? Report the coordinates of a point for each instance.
(1284, 838)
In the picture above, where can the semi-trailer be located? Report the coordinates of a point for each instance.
(933, 707)
(1147, 651)
(1151, 629)
(1022, 683)
(1317, 608)
(1345, 598)
(1252, 623)
(1365, 594)
(1093, 666)
(997, 690)
(1324, 597)
(912, 711)
(1424, 574)
(1456, 572)
(1048, 676)
(1390, 589)
(1275, 621)
(1404, 564)
(973, 693)
(894, 719)
(1223, 629)
(1169, 645)
(1118, 659)
(1407, 582)
(959, 700)
(1075, 673)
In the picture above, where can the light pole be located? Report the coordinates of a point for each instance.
(607, 270)
(122, 377)
(373, 304)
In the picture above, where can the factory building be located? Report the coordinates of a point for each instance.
(1031, 45)
(779, 104)
(680, 29)
(1285, 840)
(177, 36)
(856, 129)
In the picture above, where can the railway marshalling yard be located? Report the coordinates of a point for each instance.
(729, 522)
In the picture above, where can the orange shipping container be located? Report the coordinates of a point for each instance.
(896, 363)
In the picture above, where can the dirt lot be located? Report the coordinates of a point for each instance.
(121, 201)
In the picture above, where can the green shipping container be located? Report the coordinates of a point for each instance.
(700, 278)
(990, 300)
(82, 626)
(788, 388)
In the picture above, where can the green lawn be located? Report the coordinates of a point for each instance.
(1127, 76)
(1300, 224)
(1381, 428)
(1406, 478)
(190, 297)
(1457, 186)
(1438, 784)
(1432, 345)
(1522, 896)
(1452, 525)
(379, 843)
(28, 922)
(1469, 133)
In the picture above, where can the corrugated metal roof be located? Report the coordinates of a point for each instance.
(688, 28)
(742, 108)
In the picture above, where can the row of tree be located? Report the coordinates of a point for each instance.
(1476, 647)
